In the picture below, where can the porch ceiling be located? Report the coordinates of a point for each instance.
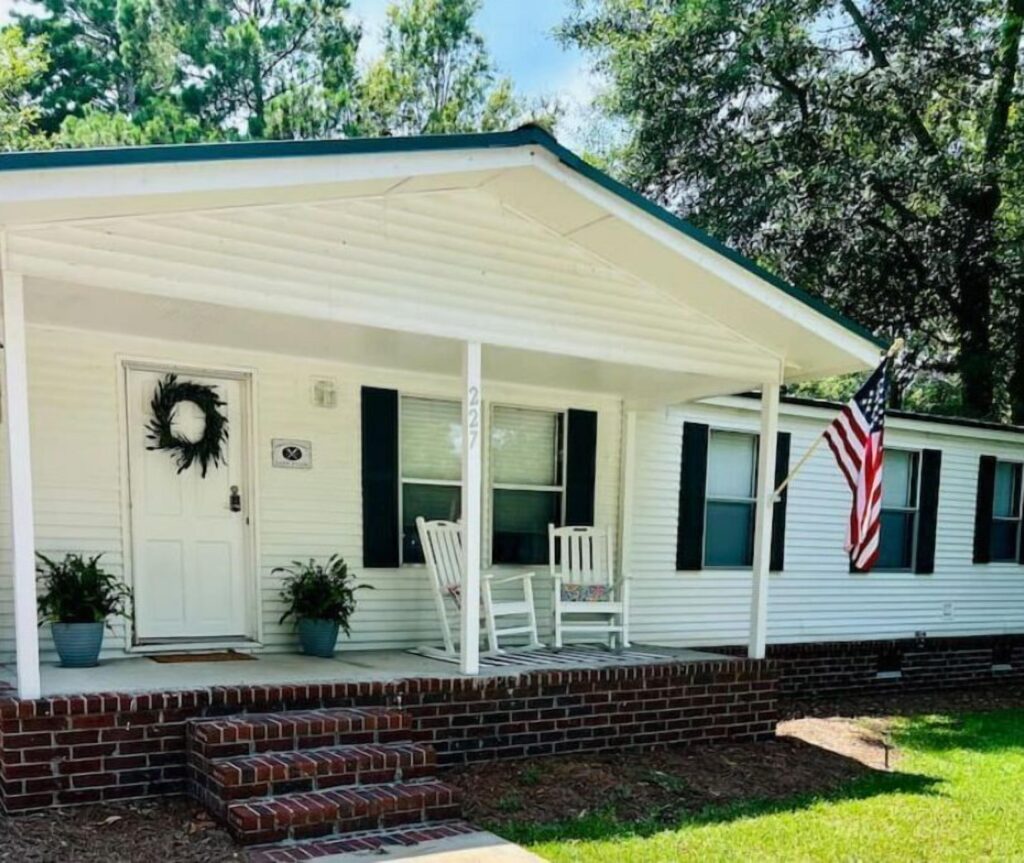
(508, 245)
(74, 306)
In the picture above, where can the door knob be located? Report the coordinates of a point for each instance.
(235, 500)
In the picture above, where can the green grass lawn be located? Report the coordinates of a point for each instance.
(957, 794)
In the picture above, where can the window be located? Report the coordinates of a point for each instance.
(1005, 512)
(528, 485)
(430, 466)
(899, 510)
(731, 489)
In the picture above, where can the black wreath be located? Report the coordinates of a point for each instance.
(208, 449)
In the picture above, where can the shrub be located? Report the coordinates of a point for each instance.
(79, 590)
(316, 591)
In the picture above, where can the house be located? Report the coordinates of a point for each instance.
(472, 326)
(944, 605)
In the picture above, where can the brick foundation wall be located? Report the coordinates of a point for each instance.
(89, 748)
(806, 670)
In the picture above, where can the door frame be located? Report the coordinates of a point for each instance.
(247, 377)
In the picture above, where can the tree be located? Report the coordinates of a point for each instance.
(160, 71)
(268, 68)
(866, 149)
(21, 63)
(435, 74)
(109, 56)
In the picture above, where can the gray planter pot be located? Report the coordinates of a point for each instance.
(318, 637)
(78, 644)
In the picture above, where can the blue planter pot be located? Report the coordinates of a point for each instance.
(318, 637)
(78, 644)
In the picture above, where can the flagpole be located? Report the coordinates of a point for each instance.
(894, 349)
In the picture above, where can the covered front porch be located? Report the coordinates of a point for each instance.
(142, 674)
(490, 274)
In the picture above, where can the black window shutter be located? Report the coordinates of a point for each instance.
(983, 508)
(580, 467)
(928, 511)
(693, 475)
(380, 477)
(778, 555)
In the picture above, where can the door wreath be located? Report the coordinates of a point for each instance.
(208, 449)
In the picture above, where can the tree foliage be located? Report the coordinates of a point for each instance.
(125, 72)
(866, 149)
(269, 68)
(108, 56)
(22, 64)
(435, 75)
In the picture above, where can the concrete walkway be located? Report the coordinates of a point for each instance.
(479, 847)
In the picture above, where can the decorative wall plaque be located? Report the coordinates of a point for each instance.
(292, 453)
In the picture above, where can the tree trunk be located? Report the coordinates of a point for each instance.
(975, 273)
(974, 354)
(257, 122)
(1016, 385)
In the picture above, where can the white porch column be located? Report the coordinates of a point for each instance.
(627, 481)
(472, 473)
(23, 543)
(763, 519)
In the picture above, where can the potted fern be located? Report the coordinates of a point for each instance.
(320, 597)
(77, 596)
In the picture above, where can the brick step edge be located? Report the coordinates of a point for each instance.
(372, 841)
(252, 733)
(343, 810)
(273, 773)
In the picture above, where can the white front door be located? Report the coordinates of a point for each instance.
(189, 563)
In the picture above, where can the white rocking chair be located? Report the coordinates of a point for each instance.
(442, 550)
(585, 589)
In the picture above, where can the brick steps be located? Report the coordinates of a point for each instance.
(343, 810)
(249, 734)
(275, 773)
(308, 774)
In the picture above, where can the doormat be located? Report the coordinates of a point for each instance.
(217, 656)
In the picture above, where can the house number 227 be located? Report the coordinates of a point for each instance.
(473, 417)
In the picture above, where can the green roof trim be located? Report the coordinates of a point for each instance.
(529, 135)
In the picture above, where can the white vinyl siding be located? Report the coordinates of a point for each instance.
(75, 420)
(76, 428)
(816, 598)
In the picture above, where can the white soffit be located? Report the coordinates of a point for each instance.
(537, 180)
(812, 344)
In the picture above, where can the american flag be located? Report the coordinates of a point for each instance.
(855, 438)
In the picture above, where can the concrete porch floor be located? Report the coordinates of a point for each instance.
(142, 674)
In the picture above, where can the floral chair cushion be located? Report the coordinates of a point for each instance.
(585, 592)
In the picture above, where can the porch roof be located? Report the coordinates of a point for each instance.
(674, 301)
